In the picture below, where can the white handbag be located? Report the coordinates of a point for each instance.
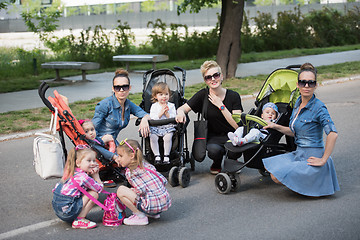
(49, 157)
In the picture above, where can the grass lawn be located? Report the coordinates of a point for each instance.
(22, 121)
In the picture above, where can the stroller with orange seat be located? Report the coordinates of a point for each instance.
(67, 123)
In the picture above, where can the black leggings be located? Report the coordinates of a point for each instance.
(216, 150)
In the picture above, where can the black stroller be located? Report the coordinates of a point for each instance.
(279, 88)
(179, 155)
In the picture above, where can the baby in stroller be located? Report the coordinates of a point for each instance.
(104, 145)
(166, 147)
(161, 109)
(269, 113)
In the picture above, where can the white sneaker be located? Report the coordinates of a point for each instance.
(136, 220)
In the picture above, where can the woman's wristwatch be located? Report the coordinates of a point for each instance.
(222, 107)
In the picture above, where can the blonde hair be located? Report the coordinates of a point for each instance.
(138, 159)
(121, 73)
(73, 157)
(208, 65)
(307, 67)
(159, 87)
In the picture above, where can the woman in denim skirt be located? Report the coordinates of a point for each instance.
(310, 169)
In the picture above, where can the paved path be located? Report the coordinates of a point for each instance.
(100, 85)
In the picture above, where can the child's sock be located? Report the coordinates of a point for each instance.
(232, 138)
(241, 141)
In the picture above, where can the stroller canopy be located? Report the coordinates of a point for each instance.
(280, 87)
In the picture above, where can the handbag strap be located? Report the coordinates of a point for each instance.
(89, 195)
(205, 105)
(153, 172)
(52, 128)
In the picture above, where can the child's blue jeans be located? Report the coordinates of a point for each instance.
(66, 208)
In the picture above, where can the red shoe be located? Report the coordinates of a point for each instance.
(109, 184)
(83, 224)
(215, 171)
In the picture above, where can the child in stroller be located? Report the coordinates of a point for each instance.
(161, 109)
(179, 153)
(104, 146)
(70, 125)
(269, 113)
(280, 89)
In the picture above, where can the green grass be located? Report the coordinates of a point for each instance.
(20, 75)
(22, 121)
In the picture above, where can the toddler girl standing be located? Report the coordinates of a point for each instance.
(69, 204)
(161, 109)
(147, 195)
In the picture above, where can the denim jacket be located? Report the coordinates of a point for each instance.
(107, 118)
(309, 125)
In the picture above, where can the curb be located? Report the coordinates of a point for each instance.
(32, 132)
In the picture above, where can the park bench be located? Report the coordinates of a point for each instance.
(141, 58)
(83, 66)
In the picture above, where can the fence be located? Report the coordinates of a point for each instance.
(206, 17)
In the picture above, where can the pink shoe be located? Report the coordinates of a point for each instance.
(136, 220)
(83, 224)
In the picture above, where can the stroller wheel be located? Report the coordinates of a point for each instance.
(235, 182)
(264, 172)
(223, 183)
(184, 177)
(173, 176)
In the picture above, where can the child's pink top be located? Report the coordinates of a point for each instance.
(84, 180)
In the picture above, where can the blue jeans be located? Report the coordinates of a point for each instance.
(66, 208)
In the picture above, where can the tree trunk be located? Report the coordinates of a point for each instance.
(229, 51)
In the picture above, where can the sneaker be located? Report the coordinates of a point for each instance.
(109, 184)
(83, 224)
(215, 171)
(157, 216)
(136, 220)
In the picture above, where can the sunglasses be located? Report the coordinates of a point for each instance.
(210, 77)
(310, 83)
(81, 146)
(125, 142)
(117, 88)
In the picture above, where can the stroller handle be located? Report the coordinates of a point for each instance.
(293, 66)
(162, 122)
(42, 90)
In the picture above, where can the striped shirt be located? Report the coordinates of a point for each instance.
(149, 188)
(84, 180)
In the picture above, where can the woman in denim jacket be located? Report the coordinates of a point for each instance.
(113, 113)
(310, 169)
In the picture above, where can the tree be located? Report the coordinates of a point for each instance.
(40, 20)
(4, 4)
(229, 49)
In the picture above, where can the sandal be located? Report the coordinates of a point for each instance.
(166, 159)
(157, 159)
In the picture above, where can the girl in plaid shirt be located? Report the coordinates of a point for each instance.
(148, 196)
(69, 204)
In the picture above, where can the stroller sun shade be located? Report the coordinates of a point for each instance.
(280, 86)
(170, 79)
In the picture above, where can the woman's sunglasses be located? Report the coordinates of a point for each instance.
(310, 83)
(117, 88)
(210, 77)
